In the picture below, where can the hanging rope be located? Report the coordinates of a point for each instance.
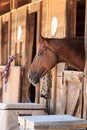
(6, 72)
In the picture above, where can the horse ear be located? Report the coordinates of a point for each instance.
(41, 38)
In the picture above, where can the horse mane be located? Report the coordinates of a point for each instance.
(71, 42)
(66, 40)
(59, 39)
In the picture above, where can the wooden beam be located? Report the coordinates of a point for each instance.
(0, 40)
(13, 4)
(71, 17)
(85, 70)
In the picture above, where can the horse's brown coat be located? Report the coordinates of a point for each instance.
(53, 51)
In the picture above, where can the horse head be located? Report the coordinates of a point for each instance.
(43, 61)
(52, 51)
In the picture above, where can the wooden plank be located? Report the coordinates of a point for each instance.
(13, 34)
(34, 7)
(60, 96)
(21, 13)
(71, 17)
(52, 122)
(13, 4)
(0, 40)
(9, 113)
(13, 88)
(73, 80)
(44, 31)
(53, 90)
(85, 69)
(48, 12)
(6, 35)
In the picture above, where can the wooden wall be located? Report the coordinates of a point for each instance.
(35, 19)
(24, 18)
(66, 13)
(85, 70)
(52, 9)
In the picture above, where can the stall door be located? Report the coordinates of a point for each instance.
(70, 93)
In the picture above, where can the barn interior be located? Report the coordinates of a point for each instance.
(22, 22)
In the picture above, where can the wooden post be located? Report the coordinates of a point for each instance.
(53, 91)
(0, 40)
(71, 17)
(85, 70)
(32, 8)
(13, 4)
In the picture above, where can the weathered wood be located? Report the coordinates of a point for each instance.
(0, 40)
(12, 89)
(69, 93)
(71, 17)
(34, 8)
(73, 82)
(13, 4)
(6, 35)
(48, 12)
(9, 113)
(85, 70)
(52, 122)
(13, 34)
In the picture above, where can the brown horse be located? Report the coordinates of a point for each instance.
(52, 51)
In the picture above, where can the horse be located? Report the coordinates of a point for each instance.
(52, 51)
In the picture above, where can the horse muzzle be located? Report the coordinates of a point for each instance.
(33, 78)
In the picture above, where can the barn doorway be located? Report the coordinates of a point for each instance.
(33, 21)
(77, 23)
(80, 18)
(4, 42)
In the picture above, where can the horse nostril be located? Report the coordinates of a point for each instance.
(32, 75)
(34, 78)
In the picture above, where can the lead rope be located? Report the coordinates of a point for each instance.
(6, 72)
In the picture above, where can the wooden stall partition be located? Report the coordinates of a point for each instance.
(70, 93)
(57, 10)
(32, 37)
(73, 83)
(13, 4)
(13, 33)
(60, 90)
(51, 10)
(0, 58)
(45, 17)
(60, 15)
(25, 38)
(85, 69)
(70, 30)
(0, 40)
(20, 16)
(6, 35)
(71, 11)
(12, 89)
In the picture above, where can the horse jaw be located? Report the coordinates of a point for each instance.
(34, 76)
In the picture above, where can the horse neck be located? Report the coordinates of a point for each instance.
(59, 48)
(63, 49)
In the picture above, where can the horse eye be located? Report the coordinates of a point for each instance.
(40, 53)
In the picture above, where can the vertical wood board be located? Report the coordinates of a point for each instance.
(13, 89)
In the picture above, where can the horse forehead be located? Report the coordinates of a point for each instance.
(42, 45)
